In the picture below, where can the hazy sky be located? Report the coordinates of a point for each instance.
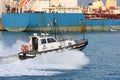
(86, 2)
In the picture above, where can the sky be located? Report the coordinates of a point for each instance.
(86, 2)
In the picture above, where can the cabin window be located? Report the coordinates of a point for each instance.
(43, 41)
(50, 40)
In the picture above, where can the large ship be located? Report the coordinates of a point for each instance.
(38, 15)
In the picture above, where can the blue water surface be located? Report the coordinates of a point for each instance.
(103, 51)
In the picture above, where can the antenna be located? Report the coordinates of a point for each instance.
(54, 25)
(82, 28)
(57, 31)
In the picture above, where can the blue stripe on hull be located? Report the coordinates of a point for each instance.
(102, 22)
(67, 19)
(38, 20)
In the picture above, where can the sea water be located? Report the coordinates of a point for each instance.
(100, 60)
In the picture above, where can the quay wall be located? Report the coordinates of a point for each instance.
(77, 29)
(71, 29)
(1, 27)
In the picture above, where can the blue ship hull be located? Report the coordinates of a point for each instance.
(15, 22)
(35, 21)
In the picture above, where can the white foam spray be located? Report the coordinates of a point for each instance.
(45, 64)
(14, 49)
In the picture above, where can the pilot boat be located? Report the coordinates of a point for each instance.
(44, 43)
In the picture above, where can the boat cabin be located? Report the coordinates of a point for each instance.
(43, 43)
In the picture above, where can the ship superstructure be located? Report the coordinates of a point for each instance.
(49, 6)
(111, 4)
(97, 10)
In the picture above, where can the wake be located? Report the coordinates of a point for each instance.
(45, 64)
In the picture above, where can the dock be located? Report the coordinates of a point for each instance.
(76, 29)
(1, 27)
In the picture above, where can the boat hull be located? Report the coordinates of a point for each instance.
(26, 55)
(15, 22)
(38, 21)
(80, 45)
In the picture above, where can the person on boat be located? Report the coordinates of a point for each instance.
(35, 43)
(24, 49)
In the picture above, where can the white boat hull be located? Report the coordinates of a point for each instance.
(80, 45)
